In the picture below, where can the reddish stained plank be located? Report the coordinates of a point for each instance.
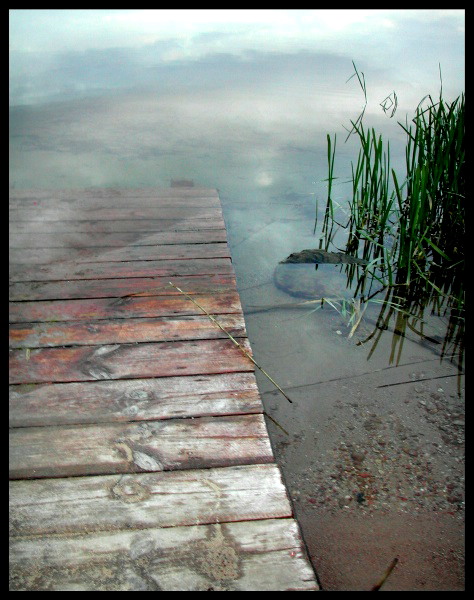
(31, 256)
(67, 213)
(126, 361)
(123, 331)
(114, 239)
(114, 270)
(33, 405)
(137, 225)
(167, 445)
(115, 288)
(121, 308)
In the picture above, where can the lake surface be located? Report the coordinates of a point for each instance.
(253, 124)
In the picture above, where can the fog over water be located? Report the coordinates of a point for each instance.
(241, 100)
(136, 97)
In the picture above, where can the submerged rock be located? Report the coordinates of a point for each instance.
(318, 256)
(296, 276)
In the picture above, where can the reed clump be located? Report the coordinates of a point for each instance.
(410, 229)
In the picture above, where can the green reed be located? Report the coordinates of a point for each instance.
(411, 230)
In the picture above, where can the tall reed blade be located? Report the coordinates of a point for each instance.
(410, 228)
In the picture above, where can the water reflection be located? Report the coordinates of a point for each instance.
(253, 124)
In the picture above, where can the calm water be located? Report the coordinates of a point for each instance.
(253, 124)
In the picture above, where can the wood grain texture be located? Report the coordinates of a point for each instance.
(137, 501)
(26, 215)
(89, 203)
(127, 307)
(123, 331)
(116, 288)
(112, 401)
(43, 256)
(113, 270)
(165, 445)
(126, 361)
(261, 555)
(113, 239)
(157, 194)
(182, 223)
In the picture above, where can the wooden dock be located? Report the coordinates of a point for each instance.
(139, 454)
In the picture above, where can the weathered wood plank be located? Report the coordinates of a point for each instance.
(123, 331)
(165, 445)
(261, 555)
(115, 270)
(117, 288)
(128, 307)
(114, 239)
(93, 194)
(31, 256)
(89, 203)
(128, 361)
(138, 225)
(66, 213)
(122, 400)
(141, 500)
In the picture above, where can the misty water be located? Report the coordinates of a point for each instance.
(254, 126)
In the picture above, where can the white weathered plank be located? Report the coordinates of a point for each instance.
(43, 256)
(137, 501)
(90, 203)
(113, 270)
(247, 556)
(131, 225)
(156, 194)
(114, 239)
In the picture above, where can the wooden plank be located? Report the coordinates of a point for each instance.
(89, 203)
(129, 307)
(137, 225)
(141, 500)
(114, 239)
(117, 288)
(26, 215)
(128, 361)
(115, 270)
(30, 256)
(122, 400)
(264, 555)
(165, 445)
(123, 331)
(33, 195)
